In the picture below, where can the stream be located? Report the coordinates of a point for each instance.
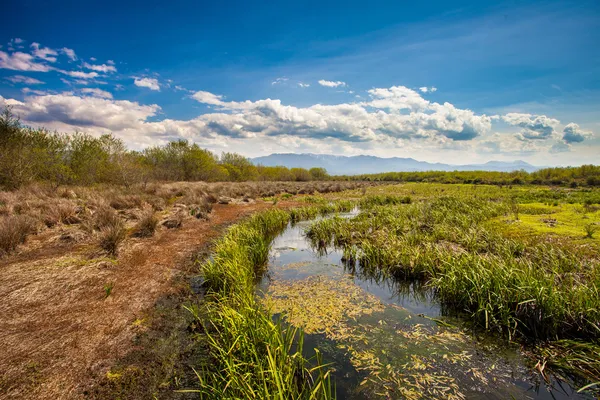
(391, 339)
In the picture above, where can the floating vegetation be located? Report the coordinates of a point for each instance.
(320, 304)
(396, 357)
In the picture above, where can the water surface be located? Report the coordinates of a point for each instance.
(390, 339)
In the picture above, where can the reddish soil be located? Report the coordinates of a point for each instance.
(58, 330)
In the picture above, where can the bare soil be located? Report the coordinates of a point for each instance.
(62, 327)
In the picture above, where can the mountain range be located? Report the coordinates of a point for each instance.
(355, 165)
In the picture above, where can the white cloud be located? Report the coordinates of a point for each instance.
(33, 91)
(208, 98)
(536, 127)
(572, 133)
(426, 89)
(100, 68)
(45, 53)
(17, 40)
(393, 121)
(149, 83)
(348, 122)
(62, 110)
(80, 74)
(303, 85)
(110, 62)
(279, 80)
(397, 98)
(69, 53)
(21, 62)
(323, 82)
(97, 93)
(24, 79)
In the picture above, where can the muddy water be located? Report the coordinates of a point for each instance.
(388, 339)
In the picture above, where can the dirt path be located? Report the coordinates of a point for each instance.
(58, 330)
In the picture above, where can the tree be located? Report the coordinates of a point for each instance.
(319, 174)
(239, 167)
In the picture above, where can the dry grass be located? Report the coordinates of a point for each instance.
(111, 237)
(14, 231)
(102, 208)
(146, 225)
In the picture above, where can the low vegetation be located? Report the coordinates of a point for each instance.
(585, 175)
(110, 213)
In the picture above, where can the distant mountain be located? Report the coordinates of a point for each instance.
(342, 165)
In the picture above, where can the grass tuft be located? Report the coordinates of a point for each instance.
(14, 231)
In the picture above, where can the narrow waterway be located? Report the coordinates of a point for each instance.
(390, 339)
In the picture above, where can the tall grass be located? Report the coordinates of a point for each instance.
(251, 356)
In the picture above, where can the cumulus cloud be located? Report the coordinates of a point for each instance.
(572, 133)
(19, 61)
(97, 93)
(24, 79)
(536, 127)
(397, 98)
(100, 68)
(348, 122)
(392, 118)
(426, 89)
(323, 82)
(81, 112)
(150, 83)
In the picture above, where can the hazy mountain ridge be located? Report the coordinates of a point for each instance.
(363, 164)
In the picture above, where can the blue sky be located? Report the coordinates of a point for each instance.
(455, 82)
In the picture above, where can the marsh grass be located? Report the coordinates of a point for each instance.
(531, 288)
(251, 356)
(590, 229)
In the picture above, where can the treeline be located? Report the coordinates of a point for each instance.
(28, 155)
(586, 175)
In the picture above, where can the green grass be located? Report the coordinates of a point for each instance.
(251, 356)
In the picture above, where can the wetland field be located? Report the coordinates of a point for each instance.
(407, 291)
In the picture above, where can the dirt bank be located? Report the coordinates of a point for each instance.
(68, 313)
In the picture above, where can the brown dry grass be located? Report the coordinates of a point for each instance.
(59, 333)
